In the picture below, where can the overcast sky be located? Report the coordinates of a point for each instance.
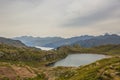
(64, 18)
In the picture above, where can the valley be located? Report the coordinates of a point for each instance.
(59, 40)
(30, 63)
(83, 41)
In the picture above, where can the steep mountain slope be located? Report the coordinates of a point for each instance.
(68, 41)
(11, 42)
(84, 41)
(88, 41)
(50, 41)
(100, 40)
(37, 41)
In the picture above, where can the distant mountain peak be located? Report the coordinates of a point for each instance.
(84, 40)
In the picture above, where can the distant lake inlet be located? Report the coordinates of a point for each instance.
(44, 48)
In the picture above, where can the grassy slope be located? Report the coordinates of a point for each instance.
(104, 49)
(30, 56)
(106, 69)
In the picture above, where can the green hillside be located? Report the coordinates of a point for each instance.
(28, 55)
(103, 49)
(106, 69)
(28, 63)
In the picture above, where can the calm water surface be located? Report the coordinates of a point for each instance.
(79, 59)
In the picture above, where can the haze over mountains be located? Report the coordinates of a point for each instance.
(38, 41)
(84, 41)
(54, 42)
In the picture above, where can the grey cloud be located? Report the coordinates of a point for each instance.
(52, 17)
(97, 16)
(4, 4)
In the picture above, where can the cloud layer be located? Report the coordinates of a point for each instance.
(59, 17)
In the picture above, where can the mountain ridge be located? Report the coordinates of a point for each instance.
(100, 40)
(37, 41)
(84, 41)
(11, 42)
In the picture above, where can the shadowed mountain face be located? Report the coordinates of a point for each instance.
(53, 42)
(37, 41)
(84, 41)
(68, 41)
(100, 40)
(11, 42)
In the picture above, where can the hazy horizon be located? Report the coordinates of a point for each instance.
(60, 36)
(63, 18)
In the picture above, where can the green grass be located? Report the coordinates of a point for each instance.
(95, 71)
(38, 77)
(104, 49)
(30, 56)
(105, 69)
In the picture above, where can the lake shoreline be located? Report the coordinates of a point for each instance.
(100, 56)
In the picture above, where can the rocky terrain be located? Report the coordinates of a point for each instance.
(29, 63)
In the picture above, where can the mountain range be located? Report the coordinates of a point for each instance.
(84, 41)
(37, 41)
(11, 42)
(100, 40)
